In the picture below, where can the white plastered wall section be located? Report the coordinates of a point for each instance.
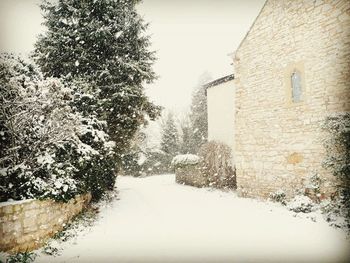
(221, 113)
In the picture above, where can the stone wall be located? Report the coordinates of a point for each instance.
(279, 142)
(26, 225)
(190, 175)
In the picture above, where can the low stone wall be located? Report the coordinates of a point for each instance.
(190, 175)
(26, 225)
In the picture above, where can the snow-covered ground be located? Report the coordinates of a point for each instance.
(157, 220)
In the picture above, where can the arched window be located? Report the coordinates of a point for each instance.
(296, 86)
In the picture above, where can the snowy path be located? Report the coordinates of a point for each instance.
(156, 220)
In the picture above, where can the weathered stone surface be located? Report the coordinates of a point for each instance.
(190, 175)
(7, 210)
(11, 227)
(294, 158)
(27, 226)
(278, 142)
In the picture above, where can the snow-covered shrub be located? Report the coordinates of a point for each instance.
(337, 145)
(97, 170)
(301, 203)
(278, 196)
(185, 159)
(130, 165)
(21, 257)
(217, 165)
(313, 187)
(333, 212)
(46, 145)
(35, 120)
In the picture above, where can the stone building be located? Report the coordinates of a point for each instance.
(221, 110)
(291, 72)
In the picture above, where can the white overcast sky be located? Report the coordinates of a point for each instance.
(190, 37)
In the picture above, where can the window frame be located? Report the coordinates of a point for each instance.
(288, 71)
(296, 85)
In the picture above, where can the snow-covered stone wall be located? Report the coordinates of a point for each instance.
(190, 175)
(26, 225)
(185, 159)
(278, 135)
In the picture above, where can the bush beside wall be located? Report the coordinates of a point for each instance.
(217, 165)
(212, 168)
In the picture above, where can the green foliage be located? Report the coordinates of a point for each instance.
(338, 154)
(14, 73)
(51, 250)
(334, 213)
(279, 197)
(48, 148)
(169, 142)
(130, 164)
(198, 116)
(99, 51)
(338, 145)
(104, 43)
(22, 257)
(301, 204)
(157, 162)
(313, 187)
(34, 123)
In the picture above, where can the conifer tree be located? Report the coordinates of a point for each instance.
(169, 143)
(103, 43)
(198, 114)
(186, 142)
(170, 140)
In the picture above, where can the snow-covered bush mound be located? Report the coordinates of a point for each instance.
(334, 213)
(185, 159)
(48, 148)
(301, 203)
(279, 196)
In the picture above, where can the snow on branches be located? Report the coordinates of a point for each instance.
(44, 142)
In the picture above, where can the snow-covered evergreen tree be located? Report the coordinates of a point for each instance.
(130, 161)
(186, 137)
(198, 115)
(151, 158)
(170, 137)
(104, 43)
(169, 141)
(48, 150)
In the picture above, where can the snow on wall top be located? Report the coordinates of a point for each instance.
(15, 202)
(219, 81)
(185, 159)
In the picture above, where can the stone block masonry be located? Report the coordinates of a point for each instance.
(279, 139)
(26, 225)
(190, 175)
